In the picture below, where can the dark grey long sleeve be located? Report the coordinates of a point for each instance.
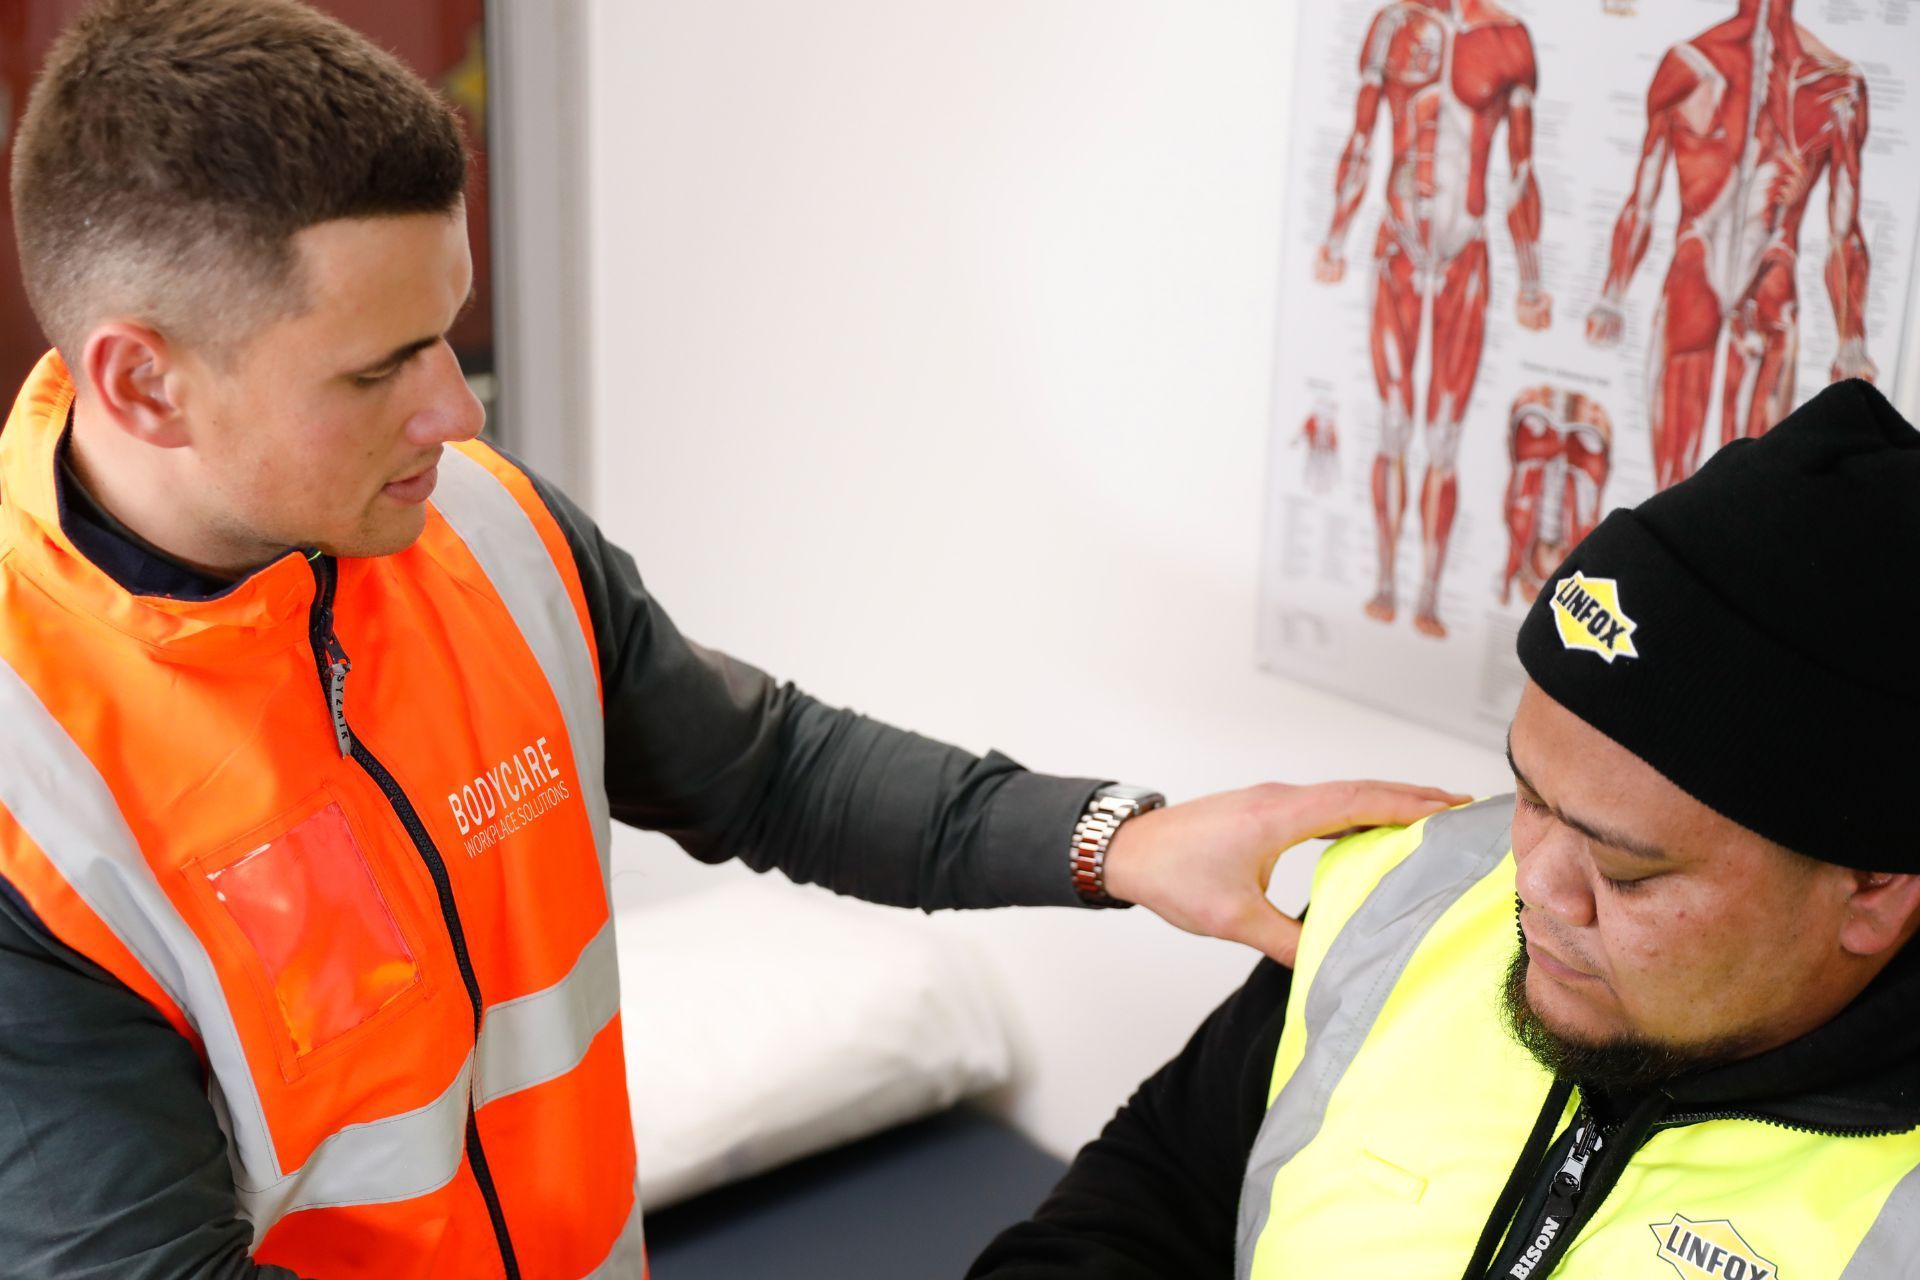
(111, 1161)
(731, 765)
(112, 1166)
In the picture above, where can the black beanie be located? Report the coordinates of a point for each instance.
(1753, 633)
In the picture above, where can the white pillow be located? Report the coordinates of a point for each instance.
(763, 1022)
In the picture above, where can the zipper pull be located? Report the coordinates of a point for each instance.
(1586, 1141)
(337, 667)
(1547, 1241)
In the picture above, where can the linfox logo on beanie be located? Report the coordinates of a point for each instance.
(1587, 613)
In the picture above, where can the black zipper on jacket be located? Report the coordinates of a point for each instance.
(1542, 1243)
(331, 658)
(1685, 1118)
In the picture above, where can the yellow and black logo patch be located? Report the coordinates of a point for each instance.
(1588, 615)
(1709, 1251)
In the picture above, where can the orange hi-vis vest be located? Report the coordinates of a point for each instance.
(345, 827)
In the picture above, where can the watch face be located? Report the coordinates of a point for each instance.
(1144, 797)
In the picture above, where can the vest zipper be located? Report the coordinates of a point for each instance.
(334, 675)
(331, 658)
(1549, 1237)
(1823, 1131)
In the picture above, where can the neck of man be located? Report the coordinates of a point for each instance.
(144, 487)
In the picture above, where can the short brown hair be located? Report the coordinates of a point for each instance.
(171, 149)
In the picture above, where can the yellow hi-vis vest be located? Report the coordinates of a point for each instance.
(1400, 1103)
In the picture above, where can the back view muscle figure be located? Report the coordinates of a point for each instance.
(1751, 112)
(1450, 73)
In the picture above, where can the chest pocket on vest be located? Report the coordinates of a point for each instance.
(1386, 1176)
(325, 946)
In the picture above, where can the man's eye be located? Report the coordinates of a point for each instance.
(374, 379)
(1530, 803)
(1624, 886)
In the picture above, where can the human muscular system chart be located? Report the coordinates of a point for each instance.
(1560, 445)
(1751, 113)
(1450, 73)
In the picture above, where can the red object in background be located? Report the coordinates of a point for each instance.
(443, 40)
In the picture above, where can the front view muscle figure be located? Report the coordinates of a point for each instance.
(1450, 72)
(1752, 112)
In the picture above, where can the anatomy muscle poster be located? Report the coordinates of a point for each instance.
(1541, 259)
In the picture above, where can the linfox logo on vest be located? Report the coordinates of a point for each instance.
(1709, 1250)
(1588, 615)
(510, 796)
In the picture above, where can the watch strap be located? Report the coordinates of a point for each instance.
(1093, 835)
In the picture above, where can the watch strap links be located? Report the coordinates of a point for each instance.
(1093, 835)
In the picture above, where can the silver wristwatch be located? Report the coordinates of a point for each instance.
(1103, 815)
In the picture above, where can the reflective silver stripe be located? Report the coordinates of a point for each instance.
(1457, 850)
(502, 538)
(535, 1038)
(60, 800)
(394, 1158)
(628, 1258)
(1891, 1246)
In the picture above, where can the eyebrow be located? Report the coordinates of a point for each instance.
(399, 355)
(408, 350)
(1591, 830)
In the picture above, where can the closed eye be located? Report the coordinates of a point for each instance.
(1624, 886)
(1532, 804)
(374, 374)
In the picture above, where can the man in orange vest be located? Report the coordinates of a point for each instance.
(314, 713)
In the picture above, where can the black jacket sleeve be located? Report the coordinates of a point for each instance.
(112, 1165)
(1155, 1196)
(730, 764)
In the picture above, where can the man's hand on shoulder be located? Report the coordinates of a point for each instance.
(1203, 865)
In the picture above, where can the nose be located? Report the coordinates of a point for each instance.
(448, 411)
(1550, 876)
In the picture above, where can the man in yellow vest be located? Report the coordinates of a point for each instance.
(1652, 1015)
(314, 713)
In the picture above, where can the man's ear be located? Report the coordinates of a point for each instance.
(1883, 911)
(132, 370)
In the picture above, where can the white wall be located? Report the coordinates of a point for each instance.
(931, 354)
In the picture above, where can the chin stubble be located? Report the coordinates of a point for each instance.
(1622, 1065)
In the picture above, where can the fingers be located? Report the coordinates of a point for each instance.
(1338, 807)
(1271, 932)
(1424, 793)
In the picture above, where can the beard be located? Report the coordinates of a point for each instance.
(1622, 1065)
